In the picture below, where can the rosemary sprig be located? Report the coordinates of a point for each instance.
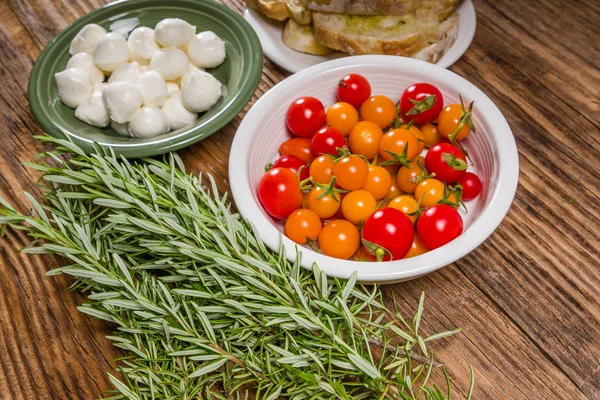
(201, 306)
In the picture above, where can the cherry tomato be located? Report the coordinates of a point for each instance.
(351, 172)
(418, 134)
(342, 116)
(438, 225)
(303, 225)
(363, 255)
(326, 206)
(358, 205)
(339, 239)
(471, 186)
(394, 191)
(449, 120)
(388, 231)
(430, 192)
(421, 103)
(407, 204)
(417, 248)
(326, 141)
(305, 116)
(378, 182)
(299, 147)
(391, 168)
(321, 169)
(395, 142)
(364, 139)
(408, 175)
(379, 109)
(293, 163)
(431, 134)
(354, 89)
(279, 192)
(447, 162)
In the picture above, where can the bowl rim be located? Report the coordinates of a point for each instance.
(391, 271)
(240, 98)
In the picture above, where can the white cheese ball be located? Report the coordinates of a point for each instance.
(122, 100)
(153, 88)
(148, 122)
(74, 86)
(174, 32)
(85, 62)
(171, 63)
(176, 113)
(100, 86)
(121, 129)
(172, 88)
(206, 50)
(111, 51)
(200, 91)
(128, 72)
(86, 39)
(93, 111)
(145, 68)
(142, 45)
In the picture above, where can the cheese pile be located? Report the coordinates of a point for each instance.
(156, 79)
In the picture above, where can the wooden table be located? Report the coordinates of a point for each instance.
(528, 299)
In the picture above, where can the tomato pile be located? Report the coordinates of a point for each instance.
(351, 181)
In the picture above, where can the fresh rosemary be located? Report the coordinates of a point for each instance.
(201, 307)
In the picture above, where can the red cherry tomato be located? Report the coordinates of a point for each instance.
(305, 116)
(293, 163)
(471, 186)
(421, 102)
(388, 229)
(354, 89)
(447, 162)
(326, 141)
(438, 225)
(299, 147)
(279, 192)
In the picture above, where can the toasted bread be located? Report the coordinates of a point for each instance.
(302, 38)
(365, 7)
(442, 8)
(281, 10)
(448, 32)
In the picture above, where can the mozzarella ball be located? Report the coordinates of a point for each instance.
(86, 39)
(85, 62)
(121, 129)
(171, 63)
(128, 72)
(145, 68)
(153, 88)
(74, 86)
(148, 122)
(142, 45)
(206, 50)
(111, 51)
(172, 88)
(93, 111)
(176, 113)
(174, 32)
(100, 86)
(200, 91)
(122, 100)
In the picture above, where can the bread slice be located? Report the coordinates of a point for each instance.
(365, 7)
(448, 32)
(275, 9)
(442, 8)
(302, 38)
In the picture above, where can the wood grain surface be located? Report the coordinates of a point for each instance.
(528, 299)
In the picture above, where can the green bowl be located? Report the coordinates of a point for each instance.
(239, 74)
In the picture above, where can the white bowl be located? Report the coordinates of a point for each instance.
(492, 149)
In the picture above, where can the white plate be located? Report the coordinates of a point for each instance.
(270, 32)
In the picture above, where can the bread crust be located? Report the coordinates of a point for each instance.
(275, 9)
(302, 38)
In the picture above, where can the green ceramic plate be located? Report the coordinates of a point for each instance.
(239, 74)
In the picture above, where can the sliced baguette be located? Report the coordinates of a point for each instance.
(442, 8)
(448, 32)
(302, 38)
(275, 9)
(365, 7)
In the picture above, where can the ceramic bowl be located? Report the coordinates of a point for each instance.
(492, 149)
(239, 74)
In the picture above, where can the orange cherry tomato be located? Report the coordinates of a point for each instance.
(417, 248)
(395, 142)
(339, 239)
(406, 173)
(358, 205)
(321, 169)
(342, 116)
(449, 120)
(378, 182)
(364, 139)
(391, 168)
(303, 225)
(407, 204)
(418, 134)
(299, 147)
(430, 192)
(379, 109)
(394, 191)
(326, 206)
(431, 134)
(351, 172)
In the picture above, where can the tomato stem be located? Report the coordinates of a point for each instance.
(329, 190)
(421, 106)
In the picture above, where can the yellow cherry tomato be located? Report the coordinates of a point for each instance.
(395, 142)
(303, 225)
(430, 192)
(406, 173)
(432, 135)
(418, 134)
(351, 172)
(364, 139)
(358, 205)
(342, 116)
(417, 248)
(407, 204)
(339, 239)
(321, 169)
(380, 110)
(326, 206)
(378, 182)
(449, 120)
